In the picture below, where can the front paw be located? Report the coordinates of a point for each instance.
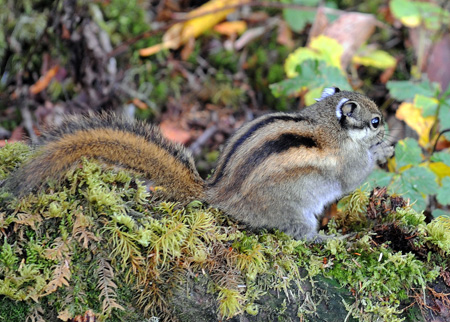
(382, 152)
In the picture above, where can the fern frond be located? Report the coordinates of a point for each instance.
(28, 219)
(107, 287)
(59, 250)
(61, 276)
(80, 233)
(36, 314)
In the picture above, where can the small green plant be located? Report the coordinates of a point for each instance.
(418, 172)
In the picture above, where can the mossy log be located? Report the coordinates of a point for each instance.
(100, 245)
(321, 302)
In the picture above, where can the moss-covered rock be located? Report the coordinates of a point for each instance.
(100, 243)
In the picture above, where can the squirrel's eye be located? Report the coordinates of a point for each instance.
(375, 122)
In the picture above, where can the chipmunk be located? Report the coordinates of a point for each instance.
(278, 171)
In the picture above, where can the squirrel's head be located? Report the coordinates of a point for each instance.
(355, 113)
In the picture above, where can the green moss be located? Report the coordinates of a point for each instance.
(99, 241)
(11, 310)
(12, 155)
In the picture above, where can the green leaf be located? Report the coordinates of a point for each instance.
(407, 90)
(432, 15)
(444, 118)
(415, 13)
(375, 58)
(407, 152)
(421, 179)
(311, 74)
(443, 194)
(427, 104)
(298, 19)
(406, 11)
(379, 178)
(439, 212)
(399, 186)
(415, 183)
(321, 48)
(441, 157)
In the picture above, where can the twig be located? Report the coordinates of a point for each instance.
(195, 147)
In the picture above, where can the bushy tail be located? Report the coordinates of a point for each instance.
(115, 141)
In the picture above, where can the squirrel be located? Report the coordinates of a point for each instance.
(278, 171)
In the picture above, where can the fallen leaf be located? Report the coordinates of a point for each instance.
(188, 49)
(387, 74)
(18, 134)
(139, 104)
(43, 82)
(172, 131)
(375, 58)
(319, 24)
(4, 142)
(284, 36)
(412, 116)
(351, 30)
(230, 28)
(181, 32)
(64, 315)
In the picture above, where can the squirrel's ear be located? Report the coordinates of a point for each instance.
(339, 112)
(328, 92)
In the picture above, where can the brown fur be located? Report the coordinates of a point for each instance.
(112, 140)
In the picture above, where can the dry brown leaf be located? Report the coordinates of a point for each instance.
(230, 28)
(139, 104)
(319, 24)
(188, 49)
(173, 132)
(351, 30)
(43, 82)
(64, 315)
(61, 276)
(387, 74)
(284, 36)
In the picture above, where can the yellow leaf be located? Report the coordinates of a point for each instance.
(229, 28)
(321, 47)
(181, 32)
(407, 11)
(310, 97)
(412, 21)
(330, 49)
(412, 115)
(441, 169)
(377, 58)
